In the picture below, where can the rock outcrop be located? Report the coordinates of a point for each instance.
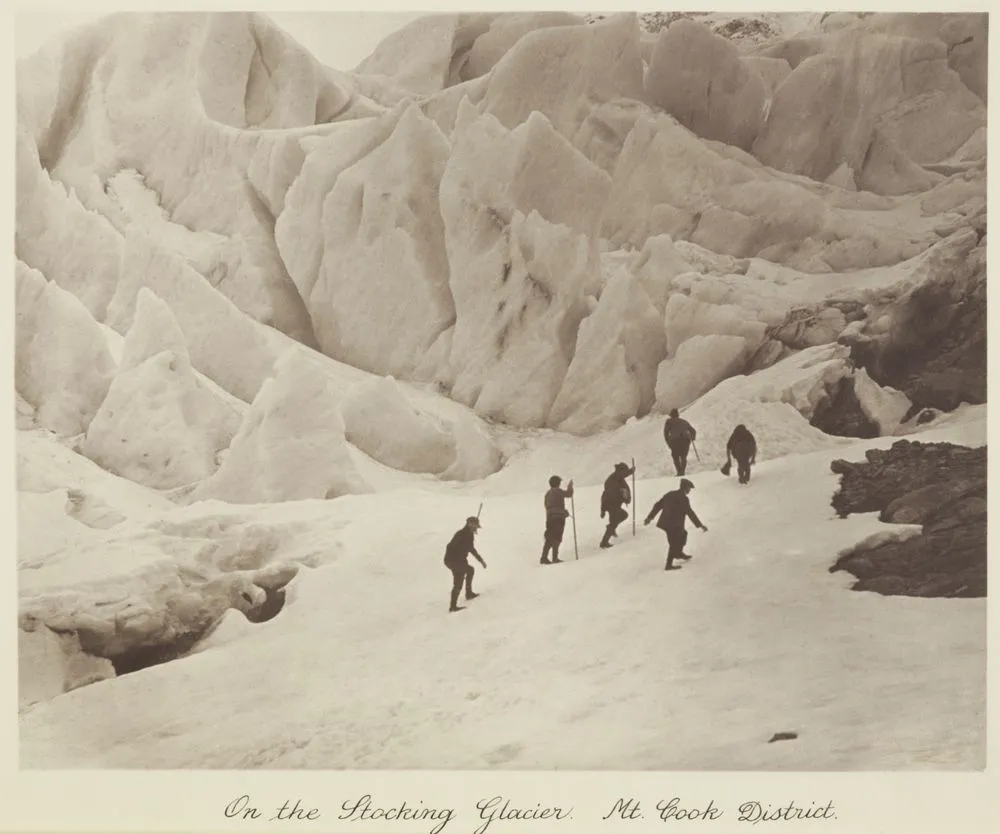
(933, 347)
(939, 486)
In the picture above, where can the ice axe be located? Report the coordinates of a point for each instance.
(695, 447)
(635, 501)
(572, 504)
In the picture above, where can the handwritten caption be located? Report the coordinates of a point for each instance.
(498, 809)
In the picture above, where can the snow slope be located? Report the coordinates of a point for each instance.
(693, 669)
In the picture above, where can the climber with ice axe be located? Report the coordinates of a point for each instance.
(555, 519)
(456, 559)
(680, 435)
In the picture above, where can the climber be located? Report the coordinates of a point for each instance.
(555, 518)
(456, 559)
(679, 435)
(743, 446)
(674, 508)
(616, 494)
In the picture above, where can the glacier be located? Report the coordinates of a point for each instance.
(280, 327)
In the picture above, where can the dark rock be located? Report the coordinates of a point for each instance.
(887, 585)
(938, 485)
(919, 506)
(841, 414)
(805, 327)
(770, 352)
(783, 736)
(935, 349)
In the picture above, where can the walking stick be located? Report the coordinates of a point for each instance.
(635, 501)
(480, 509)
(695, 447)
(572, 503)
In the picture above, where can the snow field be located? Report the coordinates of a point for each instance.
(639, 668)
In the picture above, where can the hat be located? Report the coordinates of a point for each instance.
(621, 467)
(473, 520)
(686, 483)
(554, 481)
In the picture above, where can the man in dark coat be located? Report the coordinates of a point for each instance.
(679, 434)
(456, 559)
(616, 494)
(742, 445)
(555, 518)
(674, 508)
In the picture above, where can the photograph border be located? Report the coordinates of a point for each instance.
(116, 800)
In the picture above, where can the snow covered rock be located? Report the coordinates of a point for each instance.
(291, 445)
(62, 365)
(699, 78)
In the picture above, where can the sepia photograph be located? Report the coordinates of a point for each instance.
(501, 391)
